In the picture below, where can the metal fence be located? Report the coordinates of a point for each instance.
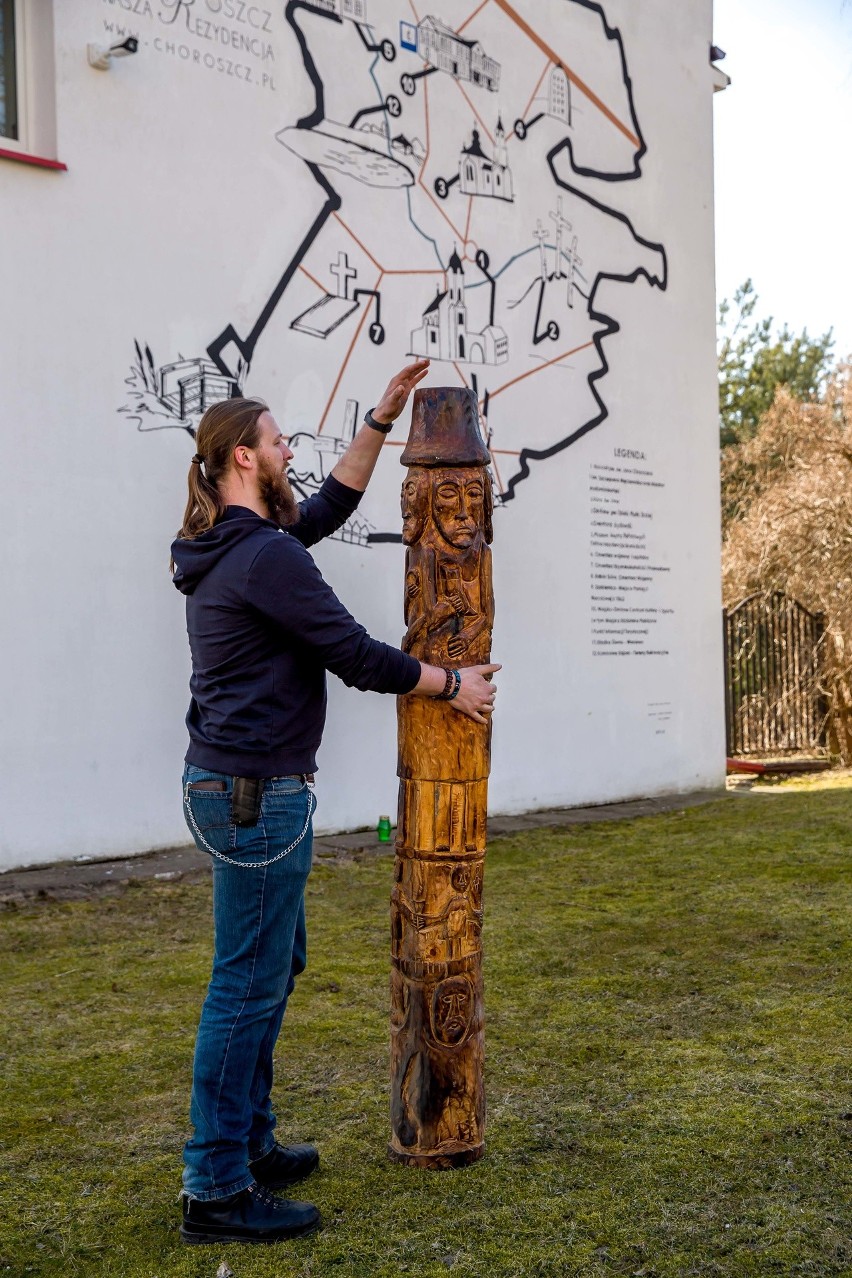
(774, 687)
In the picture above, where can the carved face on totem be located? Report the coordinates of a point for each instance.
(415, 505)
(458, 505)
(452, 1011)
(461, 878)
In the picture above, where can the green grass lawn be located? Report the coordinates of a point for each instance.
(668, 1064)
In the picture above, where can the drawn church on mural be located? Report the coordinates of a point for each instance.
(444, 333)
(481, 174)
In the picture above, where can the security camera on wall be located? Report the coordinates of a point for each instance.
(100, 57)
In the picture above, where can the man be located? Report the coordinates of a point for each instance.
(263, 629)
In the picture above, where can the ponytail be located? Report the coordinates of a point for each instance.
(204, 505)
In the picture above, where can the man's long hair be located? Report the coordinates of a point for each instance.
(224, 427)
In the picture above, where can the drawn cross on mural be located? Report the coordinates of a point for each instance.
(540, 233)
(562, 224)
(574, 260)
(344, 273)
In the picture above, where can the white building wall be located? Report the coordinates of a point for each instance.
(183, 205)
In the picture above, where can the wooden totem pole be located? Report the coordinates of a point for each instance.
(437, 1027)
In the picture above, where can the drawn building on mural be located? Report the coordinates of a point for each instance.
(189, 386)
(314, 457)
(354, 9)
(559, 96)
(481, 174)
(444, 333)
(411, 148)
(445, 50)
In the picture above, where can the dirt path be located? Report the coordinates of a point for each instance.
(82, 879)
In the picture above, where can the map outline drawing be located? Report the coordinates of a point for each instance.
(397, 161)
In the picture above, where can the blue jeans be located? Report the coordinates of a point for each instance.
(259, 950)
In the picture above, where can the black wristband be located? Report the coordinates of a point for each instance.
(384, 428)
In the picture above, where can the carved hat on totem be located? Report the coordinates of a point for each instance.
(445, 429)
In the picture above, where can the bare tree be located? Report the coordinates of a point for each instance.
(787, 509)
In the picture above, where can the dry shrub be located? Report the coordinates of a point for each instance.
(787, 503)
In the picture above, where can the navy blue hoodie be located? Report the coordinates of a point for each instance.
(263, 629)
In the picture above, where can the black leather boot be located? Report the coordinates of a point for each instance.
(284, 1165)
(252, 1216)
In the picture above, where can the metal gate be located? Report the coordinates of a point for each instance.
(774, 698)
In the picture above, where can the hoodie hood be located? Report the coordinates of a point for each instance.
(195, 558)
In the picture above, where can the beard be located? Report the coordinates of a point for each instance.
(276, 492)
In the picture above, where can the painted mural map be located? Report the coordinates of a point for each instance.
(466, 162)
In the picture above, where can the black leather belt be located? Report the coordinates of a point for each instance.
(219, 786)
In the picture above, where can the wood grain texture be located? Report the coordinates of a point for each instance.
(437, 1018)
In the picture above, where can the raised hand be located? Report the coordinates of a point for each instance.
(399, 388)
